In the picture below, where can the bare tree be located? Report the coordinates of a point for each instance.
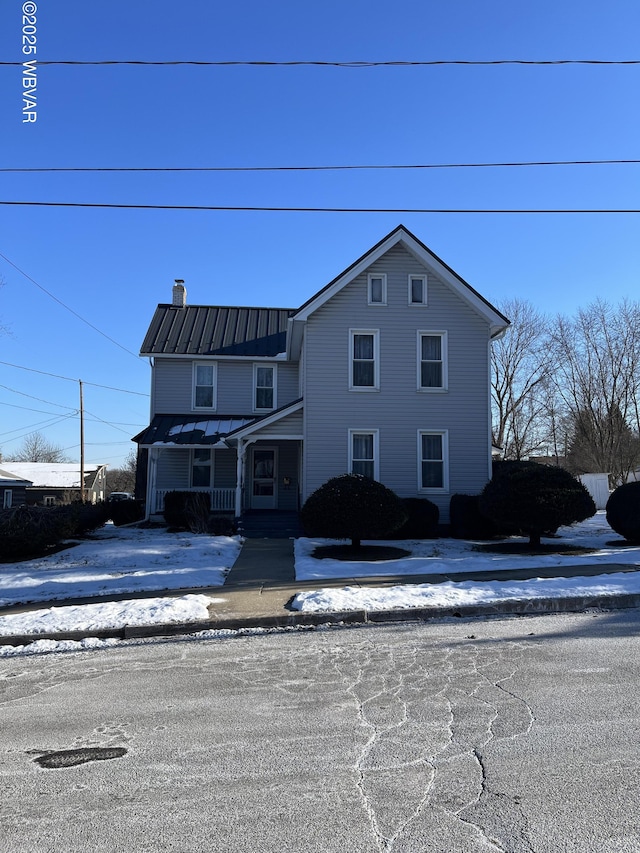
(123, 479)
(520, 367)
(36, 448)
(597, 375)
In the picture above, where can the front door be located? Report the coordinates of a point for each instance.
(264, 494)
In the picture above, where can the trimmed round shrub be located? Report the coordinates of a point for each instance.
(187, 510)
(623, 511)
(422, 519)
(467, 522)
(534, 499)
(352, 507)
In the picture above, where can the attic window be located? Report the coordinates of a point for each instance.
(417, 290)
(377, 289)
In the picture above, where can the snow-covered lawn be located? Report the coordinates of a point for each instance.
(119, 560)
(450, 556)
(123, 560)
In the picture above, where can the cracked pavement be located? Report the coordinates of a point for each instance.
(516, 735)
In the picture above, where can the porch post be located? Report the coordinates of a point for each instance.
(240, 451)
(152, 469)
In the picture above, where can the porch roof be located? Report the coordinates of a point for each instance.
(188, 430)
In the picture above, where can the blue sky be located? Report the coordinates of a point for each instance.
(113, 266)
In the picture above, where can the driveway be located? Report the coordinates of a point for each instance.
(513, 734)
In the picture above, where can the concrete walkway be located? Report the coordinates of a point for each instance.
(260, 585)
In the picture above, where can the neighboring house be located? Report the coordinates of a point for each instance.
(13, 489)
(383, 372)
(55, 483)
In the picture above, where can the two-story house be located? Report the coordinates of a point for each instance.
(383, 372)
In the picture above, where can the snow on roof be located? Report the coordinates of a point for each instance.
(58, 475)
(9, 477)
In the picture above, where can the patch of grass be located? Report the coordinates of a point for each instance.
(366, 553)
(523, 548)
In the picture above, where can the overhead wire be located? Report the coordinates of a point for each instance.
(322, 168)
(388, 63)
(70, 379)
(293, 209)
(68, 308)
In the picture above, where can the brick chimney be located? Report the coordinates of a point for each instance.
(179, 293)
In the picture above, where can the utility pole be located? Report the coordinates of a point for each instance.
(81, 444)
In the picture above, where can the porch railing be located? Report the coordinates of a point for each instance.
(221, 500)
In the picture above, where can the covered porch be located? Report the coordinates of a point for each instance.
(250, 464)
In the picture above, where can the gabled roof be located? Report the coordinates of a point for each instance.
(497, 321)
(217, 330)
(55, 475)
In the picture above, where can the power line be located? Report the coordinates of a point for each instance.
(31, 429)
(70, 379)
(71, 311)
(335, 168)
(39, 399)
(275, 209)
(328, 64)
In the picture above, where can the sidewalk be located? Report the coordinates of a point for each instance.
(261, 584)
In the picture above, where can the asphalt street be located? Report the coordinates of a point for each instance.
(514, 734)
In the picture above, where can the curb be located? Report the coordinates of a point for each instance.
(292, 619)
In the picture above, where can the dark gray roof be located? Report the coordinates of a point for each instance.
(189, 429)
(217, 330)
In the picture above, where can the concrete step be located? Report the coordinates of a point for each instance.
(269, 525)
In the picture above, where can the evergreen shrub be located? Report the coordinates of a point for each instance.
(623, 511)
(467, 522)
(352, 507)
(533, 499)
(187, 510)
(422, 519)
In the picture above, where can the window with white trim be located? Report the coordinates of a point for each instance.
(264, 387)
(432, 361)
(363, 453)
(433, 460)
(417, 290)
(204, 385)
(377, 289)
(364, 369)
(49, 500)
(7, 499)
(201, 467)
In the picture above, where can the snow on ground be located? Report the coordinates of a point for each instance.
(446, 556)
(449, 556)
(106, 615)
(120, 560)
(131, 560)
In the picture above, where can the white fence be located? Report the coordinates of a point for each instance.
(598, 487)
(222, 500)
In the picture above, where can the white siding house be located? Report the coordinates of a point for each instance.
(384, 371)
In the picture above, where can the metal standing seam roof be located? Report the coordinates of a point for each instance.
(189, 430)
(217, 330)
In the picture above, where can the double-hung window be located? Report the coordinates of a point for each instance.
(264, 387)
(364, 367)
(432, 361)
(417, 290)
(433, 460)
(363, 452)
(204, 385)
(7, 499)
(201, 469)
(377, 289)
